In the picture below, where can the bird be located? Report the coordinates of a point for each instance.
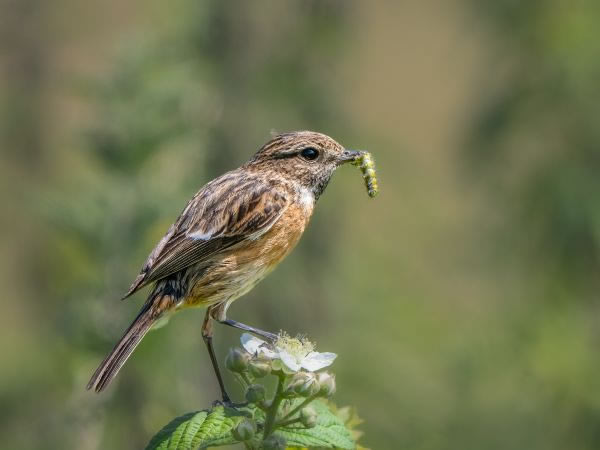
(233, 232)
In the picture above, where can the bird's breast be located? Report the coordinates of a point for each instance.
(238, 270)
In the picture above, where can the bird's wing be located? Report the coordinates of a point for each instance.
(229, 210)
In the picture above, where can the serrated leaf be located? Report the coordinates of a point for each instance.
(196, 430)
(350, 417)
(330, 431)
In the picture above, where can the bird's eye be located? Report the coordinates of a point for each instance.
(310, 154)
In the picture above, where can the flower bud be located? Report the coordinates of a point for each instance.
(300, 378)
(277, 366)
(245, 430)
(237, 360)
(308, 387)
(308, 417)
(295, 383)
(255, 393)
(327, 383)
(259, 369)
(274, 442)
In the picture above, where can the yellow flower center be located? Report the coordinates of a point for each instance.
(297, 347)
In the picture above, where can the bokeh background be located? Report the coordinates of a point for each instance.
(463, 301)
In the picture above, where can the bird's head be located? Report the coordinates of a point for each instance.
(305, 157)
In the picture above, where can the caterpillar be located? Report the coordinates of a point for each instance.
(367, 166)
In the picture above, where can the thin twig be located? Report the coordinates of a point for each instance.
(299, 407)
(246, 378)
(285, 423)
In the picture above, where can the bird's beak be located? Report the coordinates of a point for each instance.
(348, 156)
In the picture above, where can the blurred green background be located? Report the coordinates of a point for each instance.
(463, 301)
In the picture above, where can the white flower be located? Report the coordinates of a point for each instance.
(296, 354)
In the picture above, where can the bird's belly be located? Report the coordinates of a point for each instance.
(226, 285)
(245, 283)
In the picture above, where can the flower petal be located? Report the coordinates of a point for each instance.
(251, 343)
(254, 345)
(267, 352)
(315, 360)
(289, 360)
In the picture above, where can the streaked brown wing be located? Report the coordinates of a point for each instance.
(225, 212)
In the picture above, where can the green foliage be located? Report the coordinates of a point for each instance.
(197, 430)
(296, 417)
(214, 427)
(329, 432)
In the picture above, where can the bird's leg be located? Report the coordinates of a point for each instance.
(207, 333)
(232, 323)
(218, 312)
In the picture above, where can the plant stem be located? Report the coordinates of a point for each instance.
(284, 423)
(242, 381)
(272, 411)
(299, 407)
(246, 379)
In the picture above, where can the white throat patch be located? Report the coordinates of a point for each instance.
(307, 198)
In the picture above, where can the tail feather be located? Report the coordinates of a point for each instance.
(111, 365)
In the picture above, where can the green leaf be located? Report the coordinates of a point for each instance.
(350, 417)
(198, 430)
(330, 431)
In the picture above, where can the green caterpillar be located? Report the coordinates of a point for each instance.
(367, 166)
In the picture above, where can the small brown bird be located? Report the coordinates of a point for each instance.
(232, 233)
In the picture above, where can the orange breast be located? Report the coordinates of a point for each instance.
(283, 236)
(238, 270)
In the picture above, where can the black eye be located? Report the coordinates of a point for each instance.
(310, 154)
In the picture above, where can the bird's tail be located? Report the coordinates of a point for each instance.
(111, 365)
